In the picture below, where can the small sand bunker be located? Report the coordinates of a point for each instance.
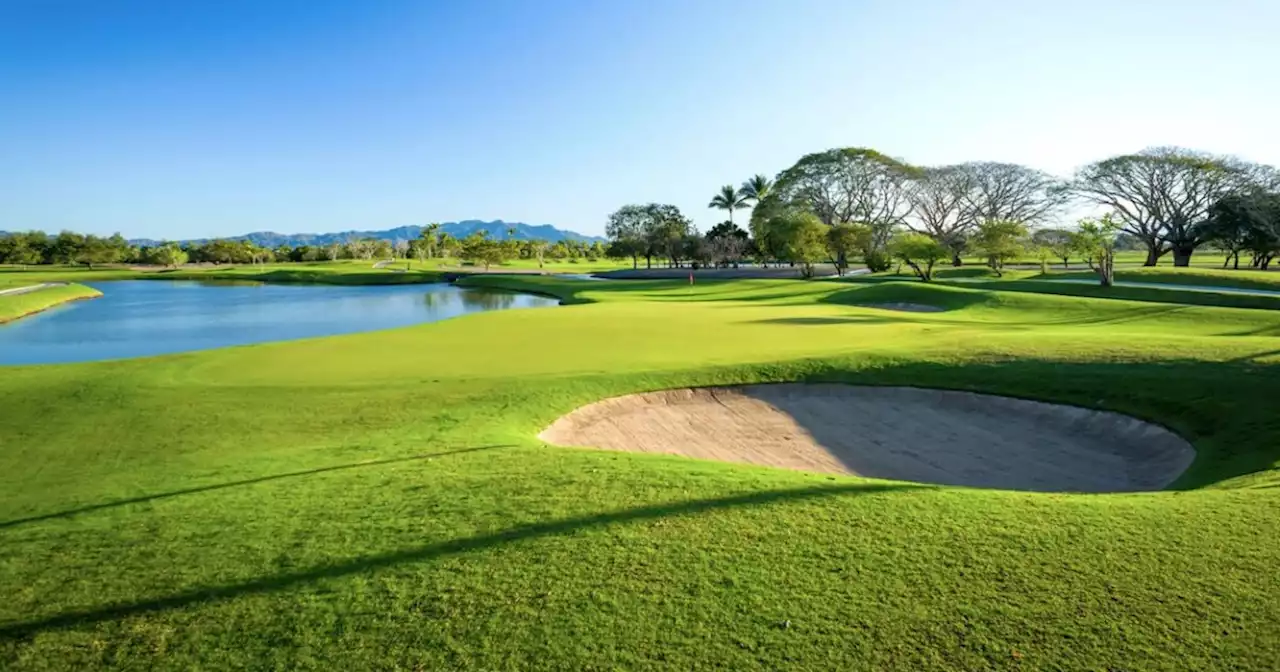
(904, 307)
(900, 433)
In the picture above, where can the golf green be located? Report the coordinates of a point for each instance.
(382, 501)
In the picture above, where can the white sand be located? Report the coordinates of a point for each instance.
(900, 433)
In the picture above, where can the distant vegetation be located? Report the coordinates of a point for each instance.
(843, 203)
(433, 244)
(837, 207)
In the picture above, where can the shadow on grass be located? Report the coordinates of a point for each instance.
(1225, 408)
(1254, 357)
(1146, 294)
(235, 484)
(819, 321)
(437, 550)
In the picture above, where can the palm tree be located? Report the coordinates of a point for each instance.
(728, 199)
(755, 189)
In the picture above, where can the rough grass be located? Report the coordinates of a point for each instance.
(378, 501)
(14, 306)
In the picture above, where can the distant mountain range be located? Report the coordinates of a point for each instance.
(497, 229)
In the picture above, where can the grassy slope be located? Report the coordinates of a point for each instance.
(378, 501)
(1213, 277)
(1032, 281)
(15, 306)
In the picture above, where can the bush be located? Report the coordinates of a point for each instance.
(878, 262)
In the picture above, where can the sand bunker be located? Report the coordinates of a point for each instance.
(901, 433)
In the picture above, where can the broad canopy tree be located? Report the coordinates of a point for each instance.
(1243, 222)
(647, 231)
(1160, 195)
(940, 206)
(949, 203)
(839, 186)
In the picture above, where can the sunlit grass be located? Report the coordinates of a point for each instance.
(379, 501)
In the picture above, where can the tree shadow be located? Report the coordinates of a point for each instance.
(899, 291)
(436, 550)
(961, 438)
(234, 484)
(1225, 409)
(816, 321)
(1254, 357)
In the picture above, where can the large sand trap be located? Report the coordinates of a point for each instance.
(901, 433)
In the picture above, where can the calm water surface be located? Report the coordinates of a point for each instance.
(150, 317)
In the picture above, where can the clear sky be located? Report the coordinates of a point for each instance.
(176, 119)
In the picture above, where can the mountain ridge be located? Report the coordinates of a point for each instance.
(496, 229)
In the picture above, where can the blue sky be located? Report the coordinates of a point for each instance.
(191, 119)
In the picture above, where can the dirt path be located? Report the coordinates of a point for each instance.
(900, 433)
(13, 291)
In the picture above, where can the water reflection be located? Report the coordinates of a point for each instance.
(148, 317)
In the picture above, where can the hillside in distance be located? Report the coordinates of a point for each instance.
(497, 229)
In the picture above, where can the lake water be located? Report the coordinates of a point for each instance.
(152, 317)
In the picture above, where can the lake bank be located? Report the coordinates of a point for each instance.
(17, 303)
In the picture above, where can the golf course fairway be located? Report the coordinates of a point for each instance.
(382, 500)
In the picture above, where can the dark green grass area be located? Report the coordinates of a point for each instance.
(380, 501)
(1209, 277)
(1151, 294)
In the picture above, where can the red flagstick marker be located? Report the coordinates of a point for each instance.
(691, 277)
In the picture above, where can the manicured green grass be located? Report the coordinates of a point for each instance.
(1213, 277)
(14, 306)
(1152, 294)
(379, 501)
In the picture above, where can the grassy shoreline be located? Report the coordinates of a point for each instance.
(17, 306)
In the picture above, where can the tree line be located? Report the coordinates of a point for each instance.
(832, 205)
(36, 247)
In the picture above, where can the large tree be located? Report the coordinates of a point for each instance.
(1057, 242)
(1160, 195)
(1012, 192)
(941, 206)
(665, 231)
(479, 248)
(653, 229)
(625, 230)
(169, 254)
(15, 249)
(841, 186)
(843, 240)
(1245, 222)
(729, 200)
(847, 185)
(804, 237)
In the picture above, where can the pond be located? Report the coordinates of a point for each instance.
(138, 318)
